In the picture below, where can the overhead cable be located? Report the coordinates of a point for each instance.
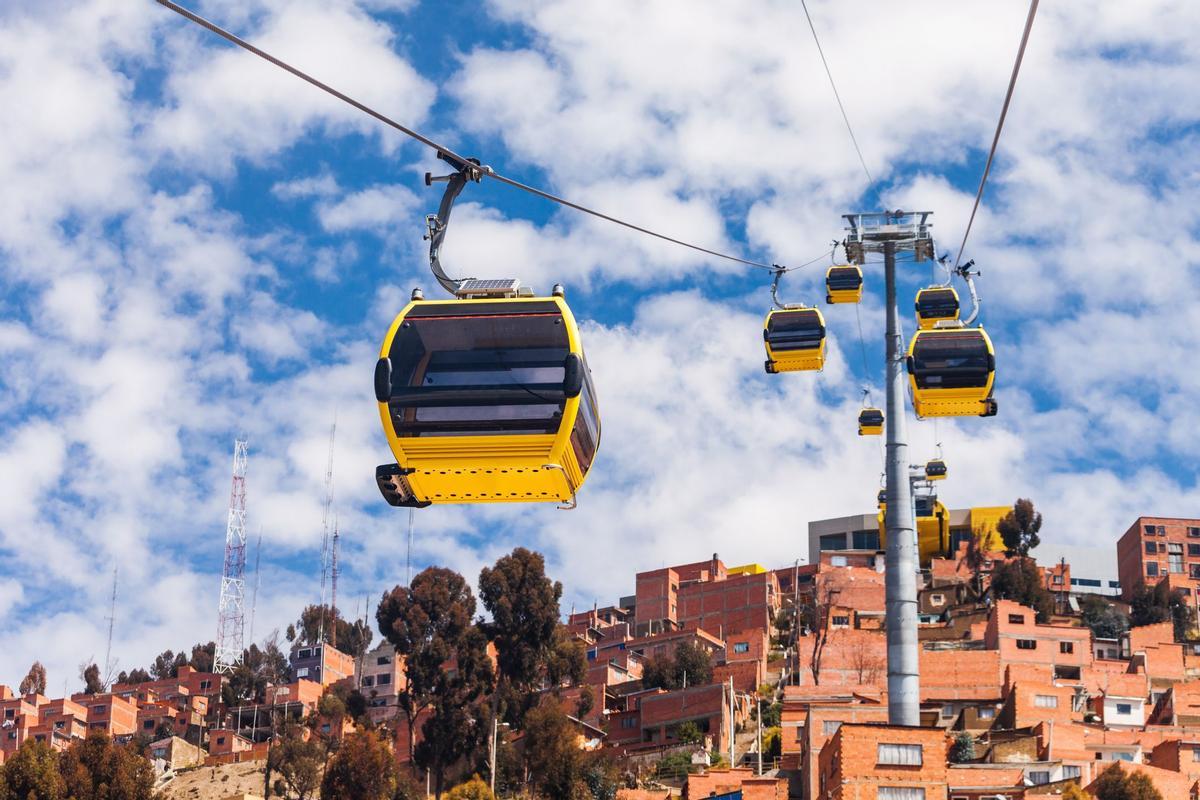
(987, 168)
(841, 107)
(440, 148)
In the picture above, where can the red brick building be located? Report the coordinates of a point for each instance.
(883, 762)
(1159, 547)
(704, 595)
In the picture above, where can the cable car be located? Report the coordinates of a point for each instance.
(485, 400)
(935, 470)
(935, 304)
(870, 422)
(843, 284)
(951, 371)
(795, 339)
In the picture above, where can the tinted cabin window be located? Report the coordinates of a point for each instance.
(461, 375)
(586, 435)
(942, 304)
(844, 278)
(795, 330)
(950, 360)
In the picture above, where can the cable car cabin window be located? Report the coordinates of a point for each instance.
(937, 304)
(951, 361)
(795, 330)
(494, 374)
(586, 434)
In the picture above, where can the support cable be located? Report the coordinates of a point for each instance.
(1008, 95)
(481, 170)
(837, 96)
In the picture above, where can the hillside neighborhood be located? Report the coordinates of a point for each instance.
(707, 680)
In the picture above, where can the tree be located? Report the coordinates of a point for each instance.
(523, 603)
(203, 658)
(166, 665)
(689, 733)
(866, 661)
(134, 676)
(963, 748)
(32, 772)
(34, 681)
(90, 675)
(552, 757)
(1159, 604)
(474, 789)
(362, 769)
(1116, 784)
(1075, 792)
(425, 622)
(453, 730)
(258, 668)
(1020, 580)
(1019, 528)
(298, 762)
(815, 617)
(1102, 617)
(687, 665)
(318, 623)
(99, 769)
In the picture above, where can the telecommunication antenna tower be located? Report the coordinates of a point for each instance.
(231, 616)
(257, 581)
(325, 528)
(888, 233)
(112, 617)
(333, 576)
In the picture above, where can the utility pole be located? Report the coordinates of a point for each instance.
(731, 729)
(888, 233)
(758, 709)
(492, 760)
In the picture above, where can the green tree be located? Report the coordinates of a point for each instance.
(552, 756)
(31, 773)
(1159, 604)
(34, 681)
(687, 665)
(166, 665)
(1075, 792)
(772, 742)
(1020, 580)
(688, 733)
(426, 622)
(297, 762)
(963, 748)
(1102, 617)
(204, 656)
(362, 769)
(523, 603)
(90, 674)
(317, 624)
(134, 676)
(258, 668)
(474, 789)
(1115, 783)
(1019, 528)
(98, 769)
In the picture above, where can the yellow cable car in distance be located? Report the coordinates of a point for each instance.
(935, 304)
(935, 470)
(484, 401)
(870, 422)
(951, 372)
(843, 284)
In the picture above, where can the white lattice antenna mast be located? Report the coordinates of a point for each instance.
(325, 520)
(257, 581)
(112, 618)
(231, 613)
(333, 576)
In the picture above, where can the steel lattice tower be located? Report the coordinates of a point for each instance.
(231, 612)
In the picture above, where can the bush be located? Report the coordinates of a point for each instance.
(474, 789)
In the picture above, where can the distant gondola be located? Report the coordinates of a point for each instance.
(843, 284)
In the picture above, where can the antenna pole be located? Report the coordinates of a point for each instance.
(325, 530)
(257, 581)
(231, 614)
(333, 574)
(112, 616)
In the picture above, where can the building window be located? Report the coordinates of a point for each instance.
(987, 713)
(1149, 530)
(903, 755)
(1195, 570)
(1193, 549)
(741, 647)
(1066, 647)
(900, 793)
(148, 724)
(937, 599)
(1195, 753)
(629, 722)
(1162, 531)
(830, 726)
(368, 680)
(1124, 709)
(1151, 548)
(841, 621)
(302, 672)
(1026, 644)
(1194, 532)
(866, 540)
(832, 541)
(837, 561)
(304, 654)
(1016, 619)
(1039, 777)
(1071, 771)
(1045, 701)
(383, 680)
(220, 740)
(1122, 757)
(1152, 569)
(381, 660)
(1057, 580)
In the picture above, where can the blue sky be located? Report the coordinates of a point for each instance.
(194, 244)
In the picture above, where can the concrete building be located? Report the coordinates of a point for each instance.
(1093, 569)
(861, 532)
(380, 678)
(323, 664)
(1155, 548)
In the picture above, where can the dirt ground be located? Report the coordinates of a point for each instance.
(216, 783)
